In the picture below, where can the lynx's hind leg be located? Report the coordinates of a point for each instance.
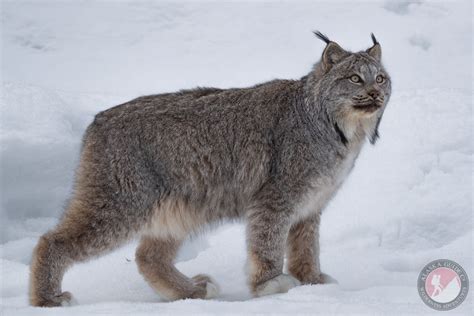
(155, 257)
(84, 232)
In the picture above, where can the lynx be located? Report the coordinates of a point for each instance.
(164, 167)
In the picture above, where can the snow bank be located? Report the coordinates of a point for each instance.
(407, 202)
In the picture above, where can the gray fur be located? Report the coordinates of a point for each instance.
(164, 166)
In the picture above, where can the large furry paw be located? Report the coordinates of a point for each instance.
(207, 283)
(321, 278)
(63, 299)
(279, 284)
(327, 279)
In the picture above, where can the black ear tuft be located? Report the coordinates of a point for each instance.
(322, 37)
(374, 39)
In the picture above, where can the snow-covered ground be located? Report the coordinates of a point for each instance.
(407, 202)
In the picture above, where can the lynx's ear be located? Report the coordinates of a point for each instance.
(333, 53)
(375, 51)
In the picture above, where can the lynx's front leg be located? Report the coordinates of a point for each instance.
(303, 252)
(267, 230)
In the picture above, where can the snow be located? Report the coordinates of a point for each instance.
(407, 202)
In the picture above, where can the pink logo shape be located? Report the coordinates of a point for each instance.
(443, 285)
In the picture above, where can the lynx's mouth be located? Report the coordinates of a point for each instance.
(367, 108)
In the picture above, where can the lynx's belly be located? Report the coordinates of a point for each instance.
(323, 188)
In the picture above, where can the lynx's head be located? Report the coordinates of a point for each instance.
(352, 88)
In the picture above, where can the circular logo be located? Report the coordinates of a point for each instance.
(443, 284)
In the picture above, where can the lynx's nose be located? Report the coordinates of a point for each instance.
(374, 93)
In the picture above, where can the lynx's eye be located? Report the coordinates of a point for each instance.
(380, 79)
(355, 79)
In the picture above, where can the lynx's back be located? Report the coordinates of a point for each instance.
(207, 147)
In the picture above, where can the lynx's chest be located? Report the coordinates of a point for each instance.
(323, 188)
